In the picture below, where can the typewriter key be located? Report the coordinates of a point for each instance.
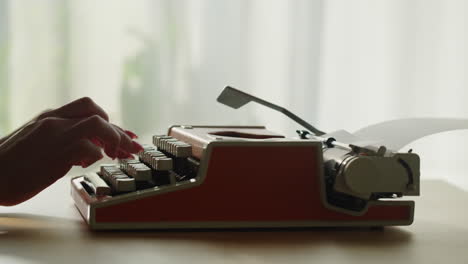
(98, 185)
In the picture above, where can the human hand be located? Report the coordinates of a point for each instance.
(45, 149)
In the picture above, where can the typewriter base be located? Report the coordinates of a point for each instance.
(387, 213)
(276, 191)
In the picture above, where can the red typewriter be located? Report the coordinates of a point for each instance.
(250, 177)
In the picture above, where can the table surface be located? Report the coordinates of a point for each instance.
(49, 229)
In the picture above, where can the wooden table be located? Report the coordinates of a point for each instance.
(48, 229)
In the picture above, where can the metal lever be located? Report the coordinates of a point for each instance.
(236, 99)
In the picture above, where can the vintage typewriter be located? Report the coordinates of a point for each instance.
(250, 177)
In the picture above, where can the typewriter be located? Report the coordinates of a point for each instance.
(249, 177)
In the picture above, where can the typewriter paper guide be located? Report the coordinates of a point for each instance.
(396, 134)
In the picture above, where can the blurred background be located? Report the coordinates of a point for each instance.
(154, 63)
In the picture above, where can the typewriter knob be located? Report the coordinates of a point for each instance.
(361, 175)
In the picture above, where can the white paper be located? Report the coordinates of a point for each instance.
(342, 136)
(396, 134)
(346, 137)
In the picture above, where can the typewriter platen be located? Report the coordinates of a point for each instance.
(249, 177)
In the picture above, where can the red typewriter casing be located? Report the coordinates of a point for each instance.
(248, 177)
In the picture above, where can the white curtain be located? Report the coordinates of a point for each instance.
(150, 64)
(384, 60)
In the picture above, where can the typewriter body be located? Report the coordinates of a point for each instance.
(249, 177)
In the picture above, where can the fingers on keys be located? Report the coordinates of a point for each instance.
(115, 142)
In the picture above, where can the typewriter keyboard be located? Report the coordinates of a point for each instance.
(167, 161)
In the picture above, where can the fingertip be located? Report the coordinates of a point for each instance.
(109, 154)
(124, 155)
(137, 147)
(131, 134)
